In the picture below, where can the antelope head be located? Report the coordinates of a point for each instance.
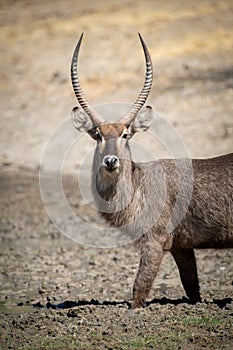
(112, 138)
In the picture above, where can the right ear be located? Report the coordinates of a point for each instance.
(143, 120)
(81, 120)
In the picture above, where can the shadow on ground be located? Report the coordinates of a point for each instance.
(68, 304)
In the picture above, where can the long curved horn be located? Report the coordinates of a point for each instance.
(94, 116)
(138, 104)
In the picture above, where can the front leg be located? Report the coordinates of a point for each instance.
(186, 262)
(151, 258)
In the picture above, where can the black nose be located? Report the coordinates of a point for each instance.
(111, 162)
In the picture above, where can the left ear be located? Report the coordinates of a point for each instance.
(81, 120)
(143, 120)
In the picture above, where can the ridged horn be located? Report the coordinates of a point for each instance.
(94, 116)
(138, 104)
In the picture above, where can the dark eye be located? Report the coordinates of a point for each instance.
(124, 136)
(97, 135)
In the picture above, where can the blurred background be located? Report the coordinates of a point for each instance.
(191, 44)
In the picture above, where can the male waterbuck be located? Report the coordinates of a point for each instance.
(139, 198)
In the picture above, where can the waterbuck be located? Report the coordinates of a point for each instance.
(140, 199)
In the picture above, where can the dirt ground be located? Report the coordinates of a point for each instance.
(54, 293)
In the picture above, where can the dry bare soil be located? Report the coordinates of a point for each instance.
(54, 293)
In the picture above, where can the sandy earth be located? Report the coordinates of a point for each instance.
(80, 294)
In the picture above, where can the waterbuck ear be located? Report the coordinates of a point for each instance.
(81, 120)
(143, 120)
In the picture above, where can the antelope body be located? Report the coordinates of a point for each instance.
(140, 198)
